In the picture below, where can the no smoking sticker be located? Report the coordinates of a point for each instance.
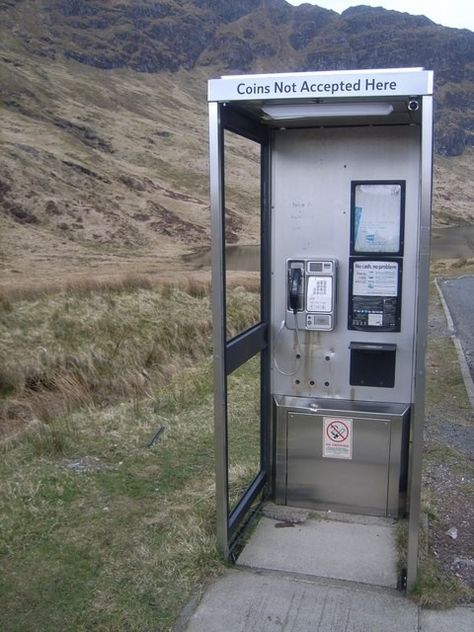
(337, 437)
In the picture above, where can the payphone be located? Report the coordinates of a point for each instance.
(345, 210)
(312, 294)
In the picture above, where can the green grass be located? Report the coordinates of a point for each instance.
(444, 384)
(123, 546)
(120, 543)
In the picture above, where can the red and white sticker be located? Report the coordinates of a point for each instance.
(337, 437)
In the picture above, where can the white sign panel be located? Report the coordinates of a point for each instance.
(319, 294)
(375, 278)
(356, 83)
(337, 437)
(377, 218)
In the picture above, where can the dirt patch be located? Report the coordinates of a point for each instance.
(85, 134)
(233, 225)
(141, 217)
(20, 214)
(146, 184)
(15, 417)
(85, 171)
(15, 210)
(132, 182)
(52, 208)
(4, 189)
(176, 195)
(168, 223)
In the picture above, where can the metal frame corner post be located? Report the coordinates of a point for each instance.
(217, 204)
(266, 458)
(422, 320)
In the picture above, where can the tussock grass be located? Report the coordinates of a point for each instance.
(450, 267)
(243, 432)
(94, 344)
(79, 286)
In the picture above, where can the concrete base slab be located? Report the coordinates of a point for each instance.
(359, 551)
(244, 601)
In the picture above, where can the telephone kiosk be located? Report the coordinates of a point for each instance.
(345, 215)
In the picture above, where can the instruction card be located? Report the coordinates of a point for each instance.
(337, 437)
(375, 278)
(319, 294)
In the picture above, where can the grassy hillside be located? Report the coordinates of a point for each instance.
(104, 173)
(99, 168)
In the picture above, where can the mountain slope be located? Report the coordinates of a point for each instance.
(103, 171)
(253, 35)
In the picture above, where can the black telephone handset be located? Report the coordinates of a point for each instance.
(294, 289)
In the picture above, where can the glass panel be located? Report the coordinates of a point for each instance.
(242, 232)
(377, 217)
(243, 427)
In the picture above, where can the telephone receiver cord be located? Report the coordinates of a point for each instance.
(297, 349)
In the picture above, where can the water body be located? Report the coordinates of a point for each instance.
(245, 258)
(452, 242)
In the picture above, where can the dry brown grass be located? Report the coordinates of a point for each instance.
(79, 286)
(111, 224)
(91, 343)
(453, 266)
(452, 189)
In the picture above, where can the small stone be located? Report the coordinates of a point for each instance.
(463, 561)
(452, 532)
(86, 464)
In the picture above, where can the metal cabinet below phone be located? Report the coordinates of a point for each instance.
(367, 474)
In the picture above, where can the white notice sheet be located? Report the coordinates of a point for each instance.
(375, 278)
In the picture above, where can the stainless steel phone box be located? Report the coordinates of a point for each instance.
(346, 161)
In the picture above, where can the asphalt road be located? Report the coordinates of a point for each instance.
(459, 295)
